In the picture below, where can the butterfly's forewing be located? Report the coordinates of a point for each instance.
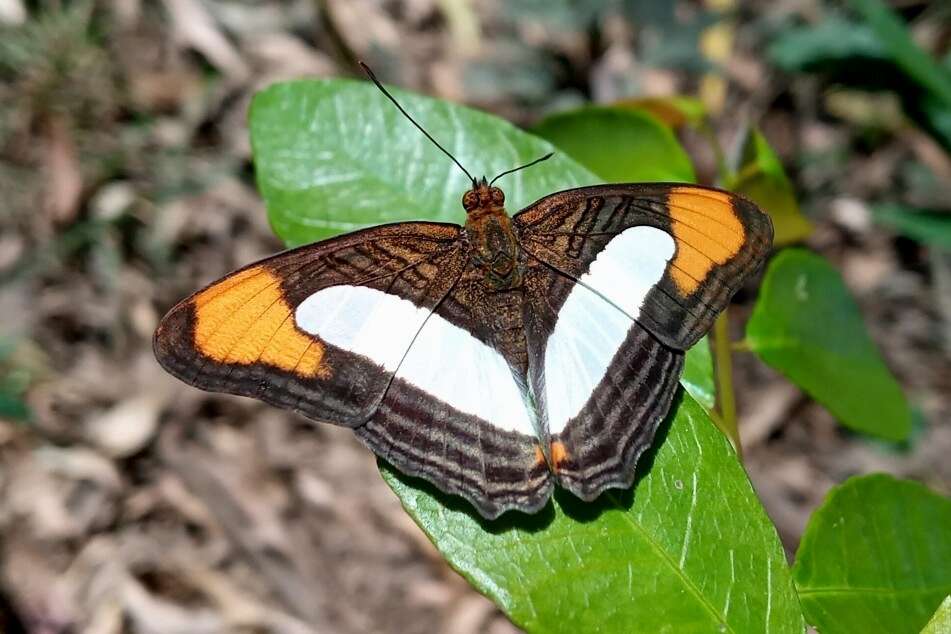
(456, 412)
(629, 277)
(305, 329)
(709, 242)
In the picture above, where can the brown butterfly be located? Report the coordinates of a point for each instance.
(493, 359)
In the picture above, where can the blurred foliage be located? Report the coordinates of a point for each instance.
(940, 622)
(55, 65)
(875, 557)
(926, 226)
(674, 111)
(15, 378)
(876, 53)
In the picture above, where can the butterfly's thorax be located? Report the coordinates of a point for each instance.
(493, 246)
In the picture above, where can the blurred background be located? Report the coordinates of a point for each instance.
(132, 503)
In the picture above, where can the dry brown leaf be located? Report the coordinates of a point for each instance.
(196, 27)
(63, 176)
(127, 427)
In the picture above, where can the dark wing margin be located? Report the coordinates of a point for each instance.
(239, 335)
(721, 239)
(461, 454)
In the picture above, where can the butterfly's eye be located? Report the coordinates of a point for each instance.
(498, 198)
(470, 200)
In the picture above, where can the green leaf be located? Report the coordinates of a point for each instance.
(698, 374)
(688, 549)
(875, 557)
(761, 178)
(927, 227)
(714, 552)
(940, 623)
(806, 325)
(831, 42)
(333, 156)
(894, 36)
(619, 145)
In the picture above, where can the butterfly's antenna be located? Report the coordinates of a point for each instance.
(376, 81)
(521, 167)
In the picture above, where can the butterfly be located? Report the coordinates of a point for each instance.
(494, 359)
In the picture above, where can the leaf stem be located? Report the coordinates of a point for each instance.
(723, 369)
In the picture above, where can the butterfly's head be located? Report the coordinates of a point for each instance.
(482, 196)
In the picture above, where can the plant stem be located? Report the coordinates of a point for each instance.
(743, 345)
(723, 369)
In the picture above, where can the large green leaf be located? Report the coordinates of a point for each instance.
(940, 622)
(618, 144)
(333, 156)
(875, 557)
(697, 534)
(761, 178)
(688, 549)
(806, 325)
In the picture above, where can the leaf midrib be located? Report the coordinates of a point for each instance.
(858, 590)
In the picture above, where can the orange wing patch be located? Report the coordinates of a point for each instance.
(708, 233)
(558, 454)
(245, 319)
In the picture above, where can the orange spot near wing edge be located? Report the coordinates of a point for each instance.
(708, 233)
(245, 319)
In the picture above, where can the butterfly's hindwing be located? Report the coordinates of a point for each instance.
(602, 381)
(456, 412)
